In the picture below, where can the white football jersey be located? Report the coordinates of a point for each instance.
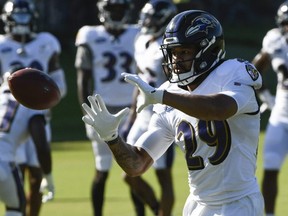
(14, 120)
(36, 53)
(220, 155)
(149, 59)
(275, 44)
(111, 56)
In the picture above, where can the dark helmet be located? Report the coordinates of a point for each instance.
(282, 16)
(19, 17)
(114, 14)
(155, 15)
(197, 29)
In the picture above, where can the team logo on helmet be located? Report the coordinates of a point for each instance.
(200, 24)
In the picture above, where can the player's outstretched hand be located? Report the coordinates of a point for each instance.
(47, 188)
(104, 123)
(151, 95)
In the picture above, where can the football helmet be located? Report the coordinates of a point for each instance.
(114, 14)
(19, 17)
(282, 17)
(193, 29)
(155, 15)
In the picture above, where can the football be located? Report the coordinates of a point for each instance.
(34, 89)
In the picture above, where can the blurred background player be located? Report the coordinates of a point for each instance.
(17, 124)
(103, 53)
(22, 47)
(154, 17)
(274, 52)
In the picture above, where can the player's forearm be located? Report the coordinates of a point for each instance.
(213, 107)
(132, 160)
(84, 88)
(38, 133)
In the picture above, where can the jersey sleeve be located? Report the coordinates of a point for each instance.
(157, 139)
(240, 80)
(83, 58)
(84, 35)
(84, 38)
(272, 42)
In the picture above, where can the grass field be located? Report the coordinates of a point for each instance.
(74, 169)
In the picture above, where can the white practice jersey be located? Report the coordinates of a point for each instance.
(36, 54)
(220, 155)
(14, 120)
(149, 59)
(111, 56)
(275, 44)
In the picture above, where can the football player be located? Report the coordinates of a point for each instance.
(103, 53)
(208, 108)
(154, 17)
(22, 46)
(274, 52)
(17, 125)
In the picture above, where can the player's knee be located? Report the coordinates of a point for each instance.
(129, 180)
(101, 177)
(272, 161)
(103, 162)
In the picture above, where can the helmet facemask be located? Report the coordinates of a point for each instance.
(201, 63)
(114, 14)
(197, 30)
(282, 19)
(20, 25)
(19, 17)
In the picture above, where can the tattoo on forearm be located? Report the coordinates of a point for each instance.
(126, 156)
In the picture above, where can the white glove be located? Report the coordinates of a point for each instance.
(104, 123)
(90, 132)
(151, 95)
(47, 188)
(267, 98)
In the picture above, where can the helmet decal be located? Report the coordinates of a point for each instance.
(200, 24)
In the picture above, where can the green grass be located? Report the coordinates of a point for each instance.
(74, 170)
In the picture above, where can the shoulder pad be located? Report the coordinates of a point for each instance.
(86, 34)
(50, 39)
(241, 72)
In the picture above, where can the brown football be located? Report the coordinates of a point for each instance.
(34, 89)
